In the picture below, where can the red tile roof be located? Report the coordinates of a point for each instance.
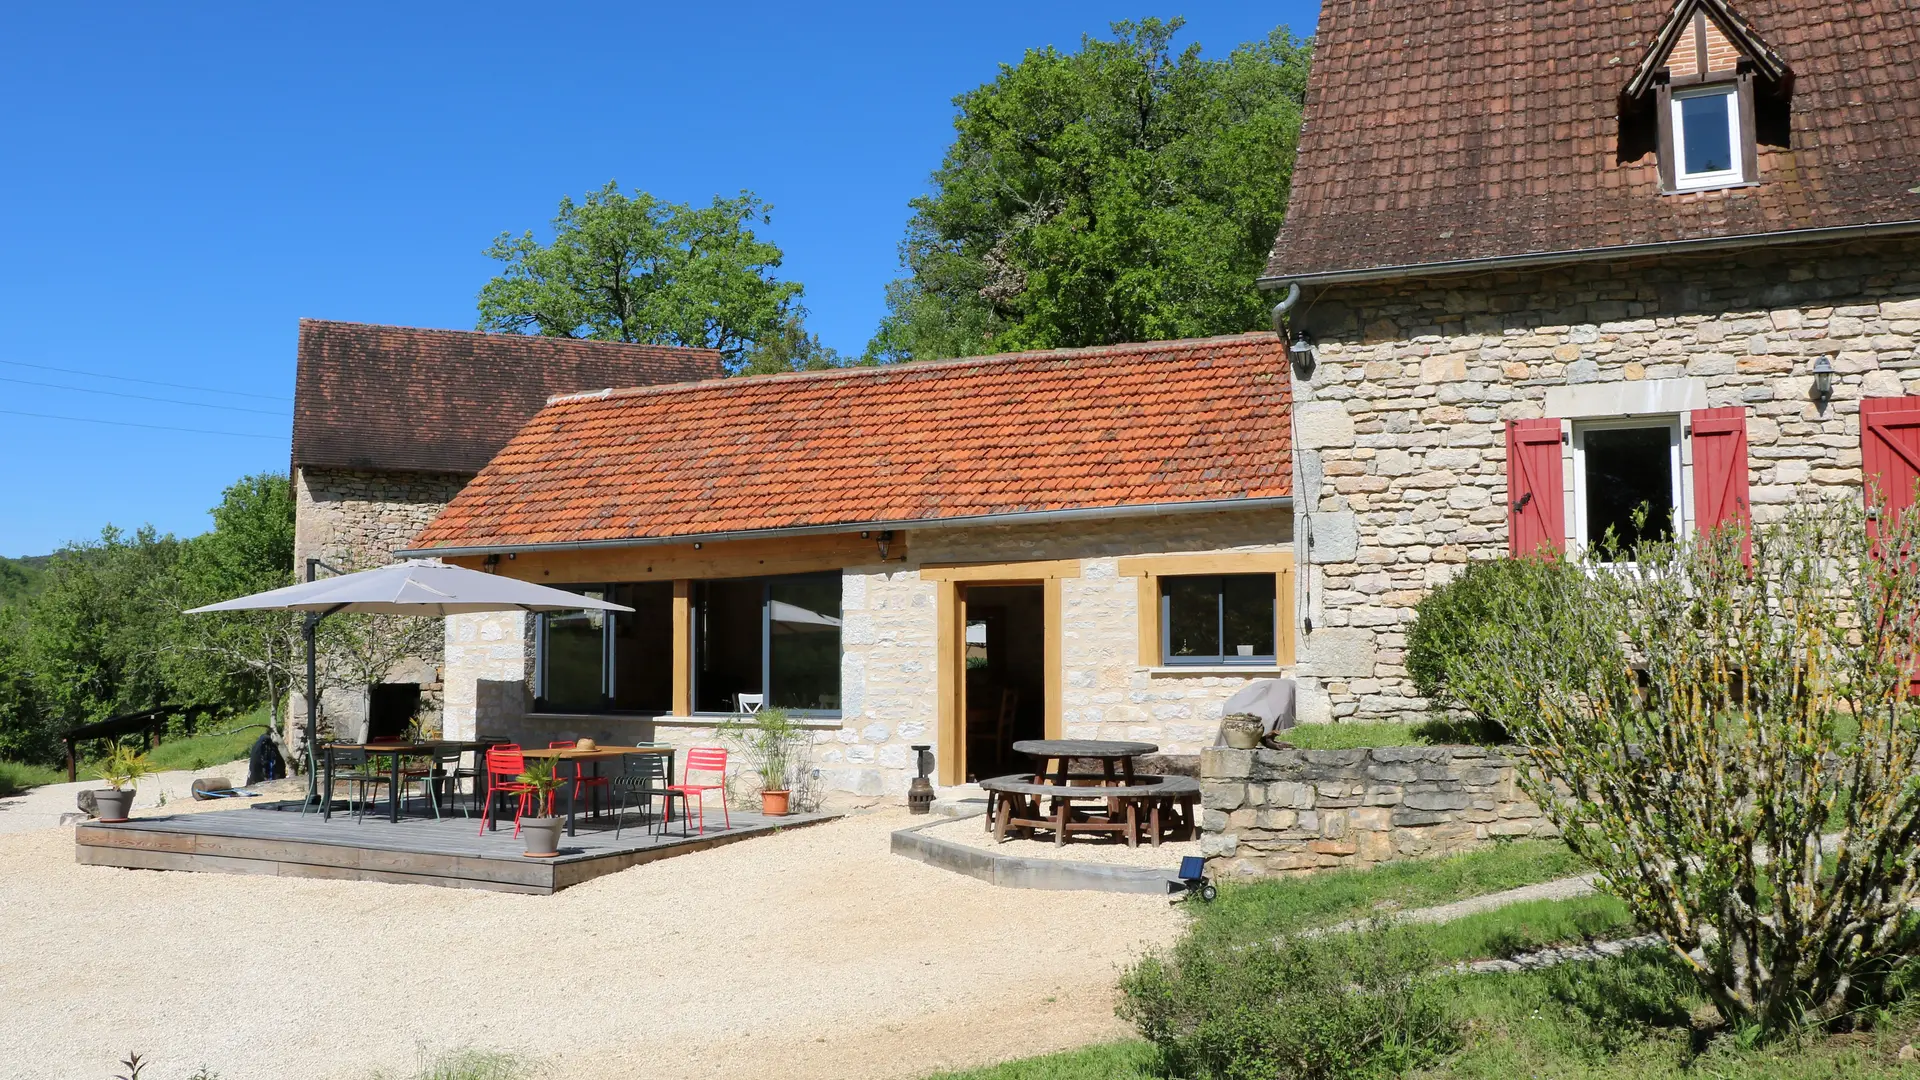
(392, 398)
(1122, 425)
(1450, 130)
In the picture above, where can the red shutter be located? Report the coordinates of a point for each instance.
(1536, 504)
(1720, 472)
(1890, 459)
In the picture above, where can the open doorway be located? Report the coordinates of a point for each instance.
(1005, 687)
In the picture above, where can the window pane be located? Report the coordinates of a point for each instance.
(1248, 604)
(1629, 470)
(643, 647)
(574, 651)
(1193, 616)
(726, 642)
(804, 666)
(1707, 125)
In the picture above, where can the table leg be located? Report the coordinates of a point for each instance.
(1000, 819)
(1153, 822)
(1060, 809)
(1133, 823)
(571, 788)
(393, 791)
(326, 795)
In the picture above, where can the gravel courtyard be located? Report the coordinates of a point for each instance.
(808, 954)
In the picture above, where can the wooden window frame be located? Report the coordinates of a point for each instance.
(1746, 170)
(1148, 570)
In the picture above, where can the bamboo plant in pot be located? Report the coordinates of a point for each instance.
(541, 835)
(122, 769)
(776, 750)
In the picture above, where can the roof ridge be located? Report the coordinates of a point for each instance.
(305, 320)
(1137, 350)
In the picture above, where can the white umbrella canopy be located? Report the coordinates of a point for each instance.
(415, 587)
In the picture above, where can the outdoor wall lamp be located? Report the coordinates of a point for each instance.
(1301, 353)
(1822, 380)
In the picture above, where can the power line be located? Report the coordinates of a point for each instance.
(126, 423)
(144, 397)
(149, 382)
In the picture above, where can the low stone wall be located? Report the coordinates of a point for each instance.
(1290, 811)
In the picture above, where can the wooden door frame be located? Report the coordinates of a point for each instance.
(950, 612)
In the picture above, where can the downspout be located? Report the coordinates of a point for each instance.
(1302, 509)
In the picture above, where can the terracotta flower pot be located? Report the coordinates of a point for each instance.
(774, 803)
(541, 835)
(111, 805)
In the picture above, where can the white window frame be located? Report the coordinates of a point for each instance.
(1678, 455)
(1736, 140)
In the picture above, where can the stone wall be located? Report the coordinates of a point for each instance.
(1399, 446)
(355, 520)
(1269, 812)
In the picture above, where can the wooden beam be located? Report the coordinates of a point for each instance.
(671, 562)
(950, 662)
(1056, 639)
(1149, 604)
(682, 648)
(983, 573)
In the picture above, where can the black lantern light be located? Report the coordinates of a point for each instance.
(1301, 352)
(1822, 380)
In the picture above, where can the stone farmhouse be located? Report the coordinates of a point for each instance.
(1549, 260)
(389, 423)
(1082, 543)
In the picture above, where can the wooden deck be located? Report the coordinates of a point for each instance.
(276, 839)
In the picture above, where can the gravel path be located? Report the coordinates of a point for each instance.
(806, 954)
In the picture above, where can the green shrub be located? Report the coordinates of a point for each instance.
(1325, 1008)
(1450, 624)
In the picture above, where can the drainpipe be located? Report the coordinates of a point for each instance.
(1285, 305)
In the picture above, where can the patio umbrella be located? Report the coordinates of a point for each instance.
(414, 587)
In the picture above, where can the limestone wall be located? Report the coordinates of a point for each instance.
(1269, 812)
(355, 520)
(1399, 444)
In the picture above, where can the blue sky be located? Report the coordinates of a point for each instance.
(182, 183)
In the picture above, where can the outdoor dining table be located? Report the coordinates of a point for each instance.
(1115, 757)
(597, 755)
(394, 752)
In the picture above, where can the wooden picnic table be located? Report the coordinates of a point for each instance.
(596, 755)
(394, 751)
(1026, 802)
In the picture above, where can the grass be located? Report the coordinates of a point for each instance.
(1129, 1059)
(1277, 906)
(1344, 736)
(465, 1064)
(16, 777)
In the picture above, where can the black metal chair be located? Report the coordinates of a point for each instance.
(353, 767)
(645, 776)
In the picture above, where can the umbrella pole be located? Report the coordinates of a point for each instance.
(313, 720)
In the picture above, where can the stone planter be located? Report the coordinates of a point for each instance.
(1242, 730)
(111, 805)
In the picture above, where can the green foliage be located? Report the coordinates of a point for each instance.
(465, 1064)
(545, 776)
(20, 578)
(1123, 192)
(103, 634)
(122, 767)
(1450, 622)
(1127, 1060)
(776, 746)
(1694, 725)
(638, 269)
(790, 347)
(16, 777)
(1345, 735)
(1344, 1005)
(1275, 906)
(1526, 927)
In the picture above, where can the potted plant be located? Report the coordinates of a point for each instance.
(775, 747)
(122, 769)
(542, 834)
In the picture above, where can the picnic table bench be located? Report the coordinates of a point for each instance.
(1023, 802)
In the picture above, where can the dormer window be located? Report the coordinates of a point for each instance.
(1703, 98)
(1708, 140)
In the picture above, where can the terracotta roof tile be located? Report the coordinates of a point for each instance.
(1176, 421)
(1449, 130)
(393, 398)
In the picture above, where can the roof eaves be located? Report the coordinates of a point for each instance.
(1380, 274)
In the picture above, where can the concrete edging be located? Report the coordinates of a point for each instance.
(1019, 872)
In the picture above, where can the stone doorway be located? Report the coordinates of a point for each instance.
(1004, 681)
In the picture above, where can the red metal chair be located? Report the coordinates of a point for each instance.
(504, 766)
(580, 777)
(711, 759)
